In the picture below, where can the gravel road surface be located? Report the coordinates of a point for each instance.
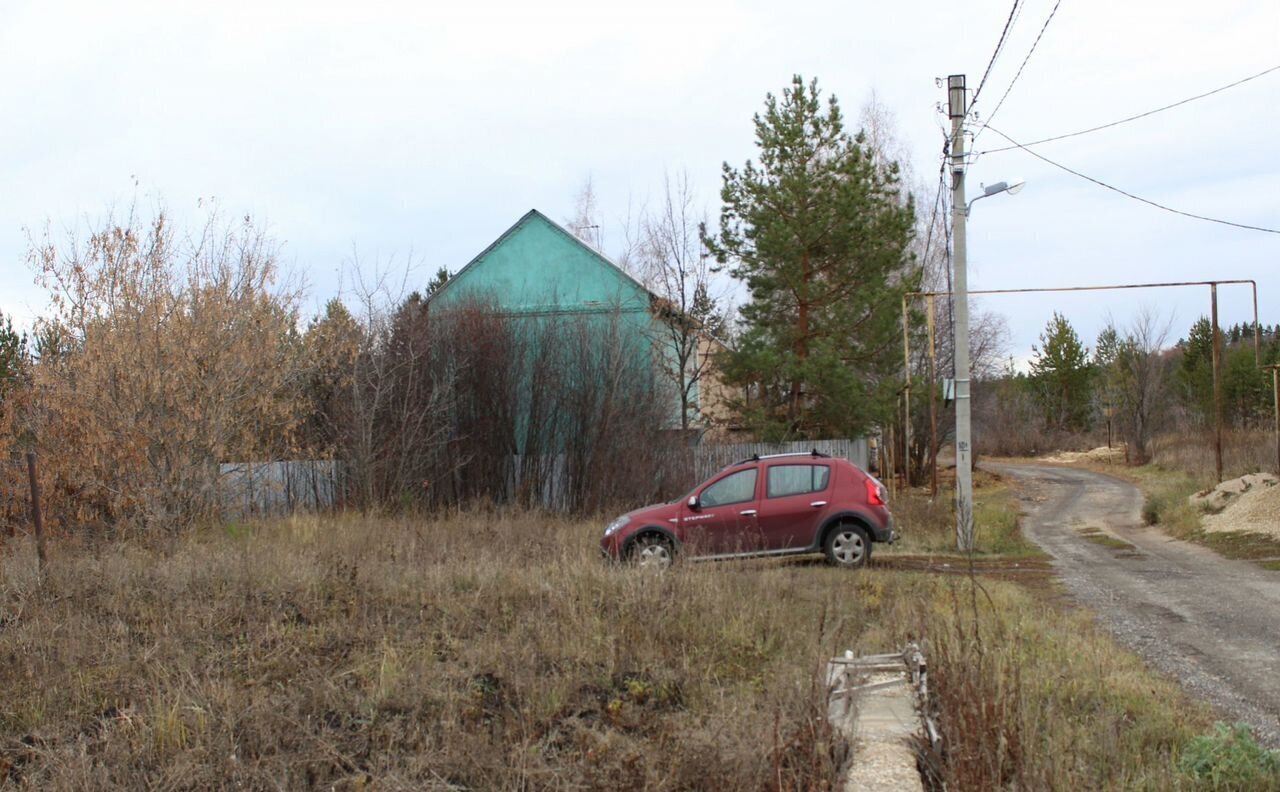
(1212, 622)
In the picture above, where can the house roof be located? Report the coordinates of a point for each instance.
(608, 262)
(525, 218)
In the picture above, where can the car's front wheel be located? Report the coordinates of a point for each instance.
(847, 546)
(652, 551)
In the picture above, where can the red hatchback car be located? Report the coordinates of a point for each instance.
(771, 505)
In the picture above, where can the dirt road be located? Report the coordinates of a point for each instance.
(1211, 622)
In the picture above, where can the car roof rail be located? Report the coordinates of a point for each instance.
(756, 457)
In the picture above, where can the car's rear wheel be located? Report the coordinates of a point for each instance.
(847, 546)
(652, 551)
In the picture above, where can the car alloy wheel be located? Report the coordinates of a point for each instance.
(847, 546)
(652, 552)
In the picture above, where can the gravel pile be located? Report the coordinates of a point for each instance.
(1249, 503)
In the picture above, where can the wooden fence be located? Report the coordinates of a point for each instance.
(707, 459)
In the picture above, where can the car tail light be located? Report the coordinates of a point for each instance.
(875, 493)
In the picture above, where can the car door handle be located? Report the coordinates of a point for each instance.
(818, 504)
(748, 513)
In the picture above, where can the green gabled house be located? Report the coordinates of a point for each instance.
(539, 273)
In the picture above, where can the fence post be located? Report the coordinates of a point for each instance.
(37, 516)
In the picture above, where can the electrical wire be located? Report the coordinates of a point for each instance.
(1014, 81)
(1004, 34)
(1129, 194)
(937, 204)
(1132, 117)
(951, 313)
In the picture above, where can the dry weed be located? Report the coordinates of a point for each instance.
(487, 651)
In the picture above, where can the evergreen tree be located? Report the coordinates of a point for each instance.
(1194, 374)
(13, 355)
(708, 314)
(1108, 379)
(1060, 367)
(819, 233)
(1246, 389)
(437, 283)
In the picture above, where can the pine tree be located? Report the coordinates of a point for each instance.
(1061, 369)
(13, 354)
(13, 357)
(1194, 375)
(437, 283)
(819, 233)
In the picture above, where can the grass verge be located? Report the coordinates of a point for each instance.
(927, 526)
(1166, 504)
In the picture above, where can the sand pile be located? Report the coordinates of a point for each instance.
(1100, 454)
(1248, 503)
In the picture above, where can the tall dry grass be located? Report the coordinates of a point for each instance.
(485, 651)
(1029, 695)
(1192, 451)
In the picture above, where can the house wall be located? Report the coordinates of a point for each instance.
(558, 291)
(713, 395)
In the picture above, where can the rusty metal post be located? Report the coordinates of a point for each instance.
(37, 516)
(933, 406)
(1275, 392)
(1217, 382)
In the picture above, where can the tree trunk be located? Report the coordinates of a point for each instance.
(801, 342)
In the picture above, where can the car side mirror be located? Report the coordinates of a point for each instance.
(693, 502)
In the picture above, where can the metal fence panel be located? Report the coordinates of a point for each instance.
(274, 489)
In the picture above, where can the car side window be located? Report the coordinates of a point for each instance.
(734, 488)
(787, 480)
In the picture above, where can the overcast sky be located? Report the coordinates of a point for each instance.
(399, 129)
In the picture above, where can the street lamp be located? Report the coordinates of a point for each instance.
(1013, 187)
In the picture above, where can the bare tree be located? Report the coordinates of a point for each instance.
(690, 319)
(1136, 370)
(585, 222)
(398, 400)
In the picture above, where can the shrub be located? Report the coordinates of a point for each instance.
(1230, 758)
(164, 354)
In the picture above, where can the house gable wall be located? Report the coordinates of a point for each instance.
(536, 267)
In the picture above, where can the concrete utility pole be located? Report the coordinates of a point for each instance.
(1217, 382)
(956, 108)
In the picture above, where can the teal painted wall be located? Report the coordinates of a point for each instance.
(537, 267)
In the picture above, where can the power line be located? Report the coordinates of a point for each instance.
(947, 209)
(1133, 117)
(1129, 194)
(1014, 81)
(1004, 34)
(937, 204)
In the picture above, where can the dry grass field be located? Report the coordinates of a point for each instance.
(492, 651)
